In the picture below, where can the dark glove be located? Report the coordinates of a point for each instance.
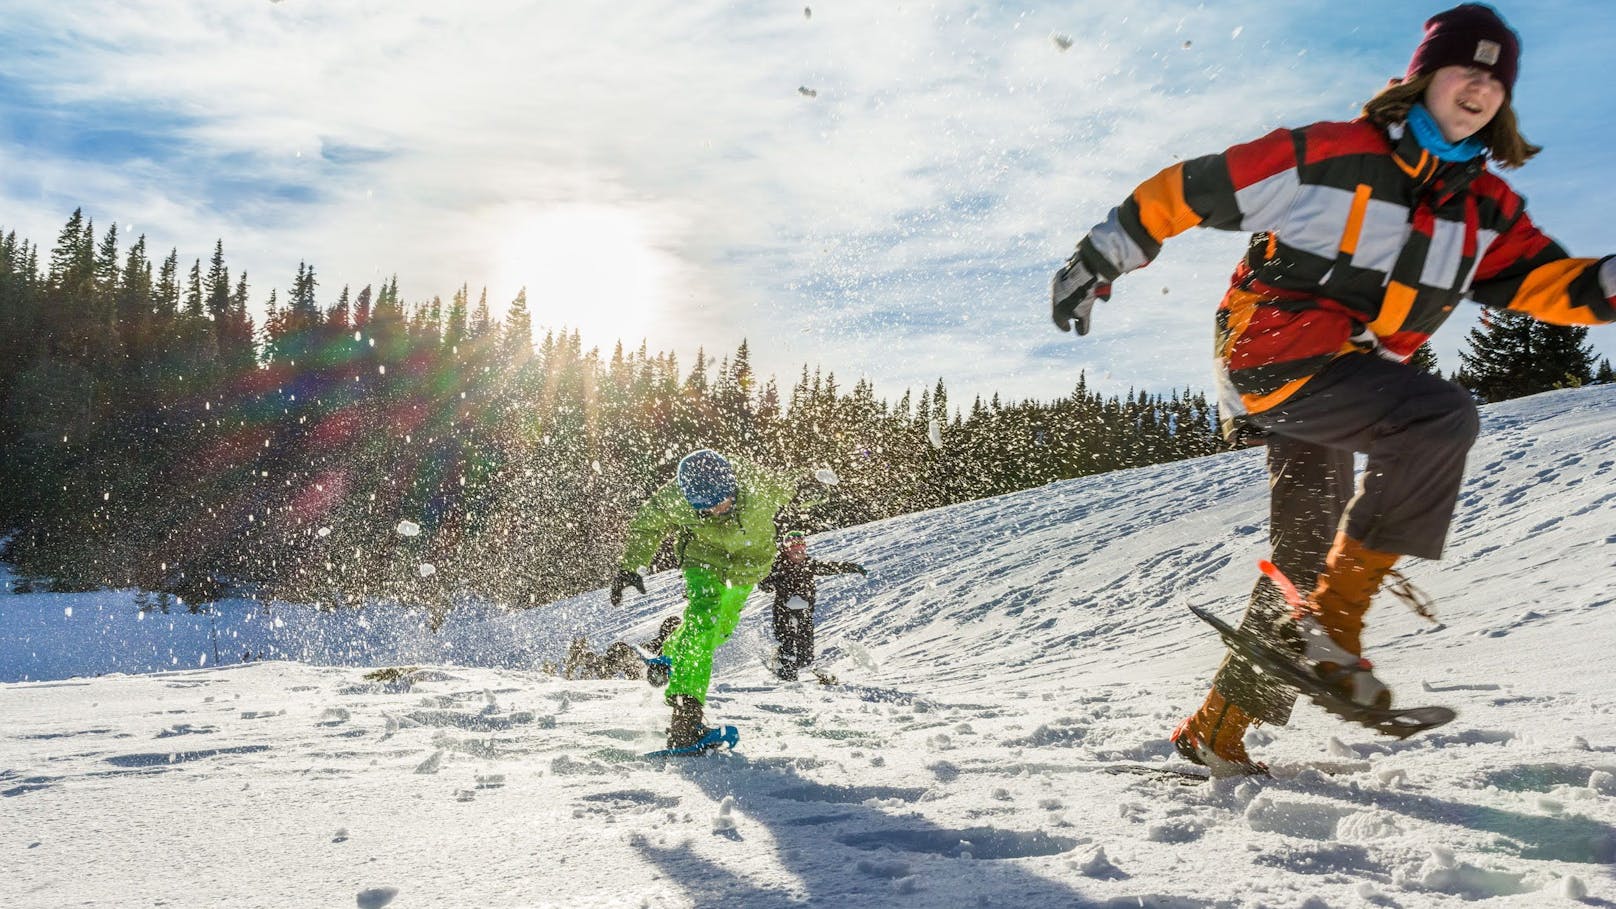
(860, 569)
(1073, 292)
(625, 578)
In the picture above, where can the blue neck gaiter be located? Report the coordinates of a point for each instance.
(1429, 135)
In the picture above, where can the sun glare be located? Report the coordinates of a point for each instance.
(589, 267)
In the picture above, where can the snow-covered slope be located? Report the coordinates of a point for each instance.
(1000, 662)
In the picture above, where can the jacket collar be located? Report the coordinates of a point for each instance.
(1442, 179)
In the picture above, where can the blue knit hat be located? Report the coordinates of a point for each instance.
(706, 478)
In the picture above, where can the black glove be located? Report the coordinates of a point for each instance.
(625, 578)
(1073, 292)
(860, 569)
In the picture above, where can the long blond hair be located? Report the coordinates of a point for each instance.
(1502, 134)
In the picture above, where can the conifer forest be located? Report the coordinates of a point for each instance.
(347, 445)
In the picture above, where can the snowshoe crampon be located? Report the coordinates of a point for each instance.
(713, 739)
(1396, 723)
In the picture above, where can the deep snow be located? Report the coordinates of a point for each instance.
(1000, 660)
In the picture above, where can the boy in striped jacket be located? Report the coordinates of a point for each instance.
(1365, 236)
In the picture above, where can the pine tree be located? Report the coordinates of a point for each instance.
(1424, 359)
(1560, 356)
(516, 337)
(1511, 355)
(1497, 362)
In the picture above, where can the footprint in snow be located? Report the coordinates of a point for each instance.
(185, 729)
(983, 843)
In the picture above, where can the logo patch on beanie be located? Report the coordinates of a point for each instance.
(1487, 52)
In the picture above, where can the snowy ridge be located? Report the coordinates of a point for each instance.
(1003, 659)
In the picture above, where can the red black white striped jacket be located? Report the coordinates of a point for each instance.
(1363, 242)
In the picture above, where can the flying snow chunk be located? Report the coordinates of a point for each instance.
(724, 822)
(324, 531)
(934, 433)
(807, 92)
(408, 529)
(1062, 41)
(427, 569)
(1236, 33)
(827, 476)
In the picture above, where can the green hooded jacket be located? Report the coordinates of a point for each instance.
(737, 545)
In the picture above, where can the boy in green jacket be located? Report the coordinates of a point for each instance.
(723, 512)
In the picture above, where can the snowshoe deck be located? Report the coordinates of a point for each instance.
(1396, 723)
(1195, 776)
(1167, 774)
(712, 740)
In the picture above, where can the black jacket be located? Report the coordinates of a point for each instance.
(787, 579)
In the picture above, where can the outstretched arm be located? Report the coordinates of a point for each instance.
(1525, 271)
(651, 525)
(1249, 187)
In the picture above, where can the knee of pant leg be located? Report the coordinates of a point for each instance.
(1455, 426)
(1469, 421)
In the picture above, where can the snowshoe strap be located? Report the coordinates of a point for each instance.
(1397, 584)
(1292, 595)
(1416, 599)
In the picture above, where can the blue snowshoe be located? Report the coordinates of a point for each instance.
(714, 738)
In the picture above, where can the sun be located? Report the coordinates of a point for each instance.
(594, 268)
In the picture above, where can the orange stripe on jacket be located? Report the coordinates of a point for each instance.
(1241, 305)
(1260, 403)
(1355, 219)
(1394, 309)
(1162, 209)
(1545, 293)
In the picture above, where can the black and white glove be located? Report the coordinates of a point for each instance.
(625, 578)
(1073, 292)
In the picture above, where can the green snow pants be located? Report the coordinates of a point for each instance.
(712, 610)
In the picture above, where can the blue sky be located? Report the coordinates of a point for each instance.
(657, 173)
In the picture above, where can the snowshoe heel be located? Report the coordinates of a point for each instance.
(1187, 742)
(658, 669)
(1349, 674)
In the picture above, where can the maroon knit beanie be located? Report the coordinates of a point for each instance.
(1470, 34)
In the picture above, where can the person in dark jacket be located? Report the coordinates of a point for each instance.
(791, 580)
(1365, 236)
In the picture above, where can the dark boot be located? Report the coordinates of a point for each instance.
(784, 664)
(687, 727)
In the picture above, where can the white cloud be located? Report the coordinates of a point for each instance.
(900, 224)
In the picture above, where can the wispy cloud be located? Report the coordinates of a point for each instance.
(900, 223)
